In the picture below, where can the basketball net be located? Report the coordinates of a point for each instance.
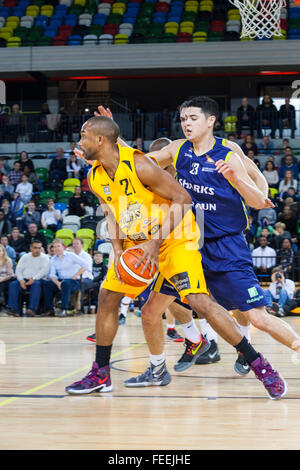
(260, 18)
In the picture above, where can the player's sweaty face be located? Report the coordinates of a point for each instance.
(193, 122)
(87, 142)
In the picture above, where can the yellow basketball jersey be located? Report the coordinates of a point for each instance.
(138, 211)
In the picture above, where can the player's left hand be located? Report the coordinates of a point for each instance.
(226, 169)
(79, 153)
(268, 203)
(150, 250)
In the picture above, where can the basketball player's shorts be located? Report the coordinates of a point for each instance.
(229, 273)
(179, 263)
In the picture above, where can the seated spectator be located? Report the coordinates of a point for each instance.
(286, 257)
(51, 217)
(15, 175)
(266, 147)
(139, 144)
(14, 124)
(99, 273)
(287, 118)
(4, 168)
(285, 143)
(6, 274)
(232, 137)
(25, 189)
(50, 250)
(291, 194)
(25, 160)
(257, 163)
(279, 292)
(6, 188)
(5, 225)
(16, 210)
(245, 117)
(9, 250)
(271, 158)
(264, 258)
(289, 219)
(266, 232)
(288, 182)
(87, 276)
(74, 166)
(17, 242)
(77, 203)
(271, 174)
(249, 144)
(288, 165)
(70, 149)
(32, 178)
(280, 235)
(33, 234)
(65, 271)
(31, 216)
(266, 114)
(251, 155)
(58, 166)
(269, 214)
(5, 206)
(288, 151)
(31, 269)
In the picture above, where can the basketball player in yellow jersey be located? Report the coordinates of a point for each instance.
(125, 174)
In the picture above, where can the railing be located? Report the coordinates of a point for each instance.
(147, 125)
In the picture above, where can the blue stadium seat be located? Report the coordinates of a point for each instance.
(74, 40)
(99, 18)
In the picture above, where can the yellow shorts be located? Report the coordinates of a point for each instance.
(179, 262)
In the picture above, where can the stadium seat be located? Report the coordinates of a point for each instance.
(65, 235)
(90, 40)
(105, 248)
(121, 39)
(13, 41)
(71, 222)
(61, 206)
(71, 183)
(42, 173)
(88, 237)
(64, 196)
(74, 40)
(46, 195)
(48, 234)
(106, 39)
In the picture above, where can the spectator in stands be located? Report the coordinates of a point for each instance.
(139, 144)
(291, 194)
(65, 124)
(5, 206)
(6, 274)
(87, 276)
(15, 175)
(32, 178)
(16, 210)
(286, 257)
(266, 147)
(4, 168)
(6, 188)
(288, 165)
(264, 258)
(271, 174)
(268, 214)
(279, 292)
(58, 166)
(266, 232)
(15, 124)
(257, 163)
(51, 217)
(231, 137)
(288, 151)
(99, 273)
(33, 234)
(25, 160)
(280, 235)
(250, 232)
(25, 189)
(9, 250)
(245, 117)
(285, 143)
(288, 182)
(50, 250)
(77, 203)
(70, 149)
(287, 118)
(31, 270)
(251, 155)
(249, 144)
(17, 242)
(74, 166)
(31, 216)
(5, 225)
(65, 271)
(266, 115)
(289, 219)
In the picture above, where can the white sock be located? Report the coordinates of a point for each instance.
(207, 330)
(157, 359)
(170, 327)
(191, 332)
(124, 304)
(245, 330)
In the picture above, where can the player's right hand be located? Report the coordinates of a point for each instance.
(103, 112)
(268, 203)
(117, 257)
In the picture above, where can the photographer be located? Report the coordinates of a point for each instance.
(280, 291)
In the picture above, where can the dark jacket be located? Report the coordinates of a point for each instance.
(39, 236)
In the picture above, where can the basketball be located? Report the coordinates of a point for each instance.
(129, 273)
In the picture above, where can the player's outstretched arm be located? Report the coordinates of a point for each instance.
(235, 172)
(107, 113)
(166, 155)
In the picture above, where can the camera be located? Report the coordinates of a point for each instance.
(278, 276)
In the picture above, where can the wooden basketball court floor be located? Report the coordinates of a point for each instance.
(205, 407)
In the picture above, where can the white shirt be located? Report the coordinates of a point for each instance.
(288, 285)
(89, 260)
(49, 217)
(268, 257)
(35, 267)
(25, 190)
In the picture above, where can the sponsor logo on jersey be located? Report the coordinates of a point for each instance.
(209, 159)
(106, 190)
(130, 215)
(181, 281)
(197, 188)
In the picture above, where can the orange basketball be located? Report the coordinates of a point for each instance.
(129, 273)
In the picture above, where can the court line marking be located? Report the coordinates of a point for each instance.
(62, 377)
(29, 345)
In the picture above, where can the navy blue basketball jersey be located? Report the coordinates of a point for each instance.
(224, 210)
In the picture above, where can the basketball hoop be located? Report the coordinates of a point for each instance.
(260, 18)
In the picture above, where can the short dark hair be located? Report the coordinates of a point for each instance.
(35, 241)
(208, 106)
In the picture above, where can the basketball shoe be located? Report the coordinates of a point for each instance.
(174, 336)
(241, 366)
(97, 380)
(191, 353)
(275, 385)
(154, 375)
(91, 338)
(211, 355)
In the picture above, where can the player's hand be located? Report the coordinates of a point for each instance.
(103, 112)
(268, 203)
(226, 169)
(150, 256)
(80, 154)
(117, 256)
